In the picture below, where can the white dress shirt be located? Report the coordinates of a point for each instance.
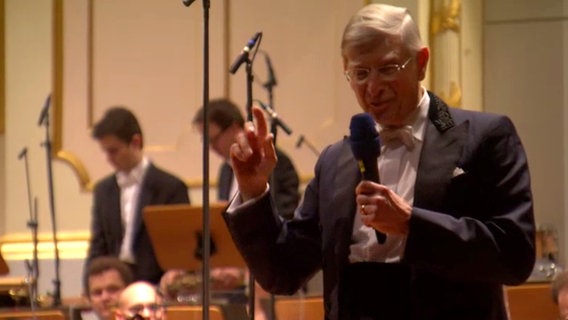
(397, 171)
(130, 184)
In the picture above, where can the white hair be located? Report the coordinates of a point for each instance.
(374, 22)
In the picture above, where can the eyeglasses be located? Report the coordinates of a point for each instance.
(214, 139)
(360, 75)
(144, 311)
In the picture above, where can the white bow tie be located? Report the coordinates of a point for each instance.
(401, 135)
(125, 180)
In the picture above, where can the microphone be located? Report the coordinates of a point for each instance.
(23, 153)
(366, 148)
(274, 117)
(44, 111)
(243, 56)
(300, 141)
(271, 82)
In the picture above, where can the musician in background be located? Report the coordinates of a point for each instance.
(225, 123)
(140, 301)
(117, 227)
(106, 277)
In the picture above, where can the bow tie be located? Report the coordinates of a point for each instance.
(398, 135)
(125, 180)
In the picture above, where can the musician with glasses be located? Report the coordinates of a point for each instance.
(140, 301)
(454, 200)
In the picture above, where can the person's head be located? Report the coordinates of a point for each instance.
(105, 279)
(140, 300)
(120, 137)
(559, 289)
(384, 61)
(225, 122)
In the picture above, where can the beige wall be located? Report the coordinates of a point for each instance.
(525, 78)
(156, 69)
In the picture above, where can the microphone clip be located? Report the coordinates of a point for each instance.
(274, 116)
(244, 55)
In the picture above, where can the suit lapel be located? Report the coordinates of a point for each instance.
(225, 181)
(443, 146)
(347, 178)
(114, 216)
(144, 198)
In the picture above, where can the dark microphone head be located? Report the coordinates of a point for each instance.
(271, 81)
(365, 143)
(23, 153)
(300, 141)
(44, 111)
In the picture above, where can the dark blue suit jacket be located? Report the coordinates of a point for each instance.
(468, 234)
(158, 187)
(284, 186)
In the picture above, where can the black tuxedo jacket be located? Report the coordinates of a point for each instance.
(284, 185)
(158, 187)
(469, 233)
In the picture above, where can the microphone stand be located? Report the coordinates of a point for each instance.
(250, 78)
(302, 140)
(269, 86)
(44, 120)
(206, 205)
(249, 81)
(33, 268)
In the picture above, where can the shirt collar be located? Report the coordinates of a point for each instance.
(419, 123)
(136, 175)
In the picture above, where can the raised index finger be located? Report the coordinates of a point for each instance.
(261, 125)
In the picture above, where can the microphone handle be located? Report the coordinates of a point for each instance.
(370, 172)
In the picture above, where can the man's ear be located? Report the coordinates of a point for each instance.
(85, 297)
(137, 140)
(422, 58)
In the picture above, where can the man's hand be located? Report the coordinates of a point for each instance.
(253, 157)
(382, 209)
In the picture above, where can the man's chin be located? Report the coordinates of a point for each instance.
(105, 314)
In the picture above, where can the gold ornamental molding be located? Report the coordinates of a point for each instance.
(454, 98)
(2, 70)
(445, 38)
(447, 18)
(58, 152)
(19, 246)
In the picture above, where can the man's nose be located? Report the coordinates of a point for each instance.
(375, 84)
(146, 313)
(105, 295)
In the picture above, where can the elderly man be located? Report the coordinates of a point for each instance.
(453, 204)
(140, 301)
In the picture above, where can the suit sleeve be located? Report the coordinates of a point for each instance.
(282, 255)
(178, 193)
(97, 243)
(285, 186)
